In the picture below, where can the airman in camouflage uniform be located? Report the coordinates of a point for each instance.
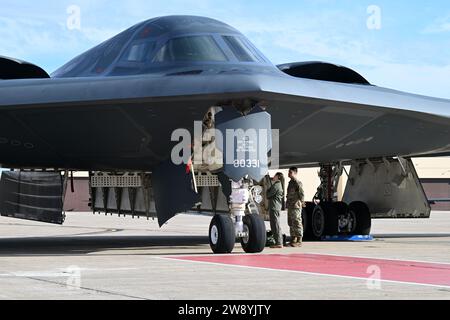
(275, 195)
(294, 203)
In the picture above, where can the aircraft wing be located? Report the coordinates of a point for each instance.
(126, 122)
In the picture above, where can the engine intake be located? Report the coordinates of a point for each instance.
(16, 69)
(323, 71)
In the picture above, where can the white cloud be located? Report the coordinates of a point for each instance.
(332, 35)
(285, 40)
(47, 43)
(439, 26)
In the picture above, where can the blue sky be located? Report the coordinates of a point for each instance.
(410, 51)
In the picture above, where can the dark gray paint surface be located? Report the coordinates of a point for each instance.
(251, 141)
(107, 121)
(172, 190)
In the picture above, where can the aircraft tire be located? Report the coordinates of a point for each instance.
(331, 210)
(257, 236)
(306, 221)
(343, 209)
(363, 218)
(318, 222)
(222, 235)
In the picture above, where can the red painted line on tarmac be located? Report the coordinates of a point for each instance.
(390, 270)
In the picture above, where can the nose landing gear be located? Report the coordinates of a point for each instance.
(244, 223)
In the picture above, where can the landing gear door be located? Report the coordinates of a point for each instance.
(172, 190)
(247, 141)
(389, 187)
(32, 196)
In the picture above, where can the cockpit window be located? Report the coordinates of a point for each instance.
(111, 50)
(192, 48)
(242, 50)
(138, 52)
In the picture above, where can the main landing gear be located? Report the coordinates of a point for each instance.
(244, 222)
(325, 216)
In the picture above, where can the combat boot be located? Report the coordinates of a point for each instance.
(296, 242)
(276, 246)
(293, 242)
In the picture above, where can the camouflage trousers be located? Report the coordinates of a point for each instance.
(295, 222)
(275, 226)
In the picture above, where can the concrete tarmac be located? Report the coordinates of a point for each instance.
(110, 257)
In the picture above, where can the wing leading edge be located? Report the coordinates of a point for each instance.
(318, 120)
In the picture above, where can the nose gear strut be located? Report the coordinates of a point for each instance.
(249, 227)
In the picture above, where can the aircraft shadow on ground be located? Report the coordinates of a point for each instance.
(410, 235)
(76, 245)
(129, 245)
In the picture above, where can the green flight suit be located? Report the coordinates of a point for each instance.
(294, 202)
(275, 196)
